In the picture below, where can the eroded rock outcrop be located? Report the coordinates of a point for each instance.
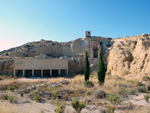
(130, 57)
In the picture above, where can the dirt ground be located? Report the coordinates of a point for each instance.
(129, 103)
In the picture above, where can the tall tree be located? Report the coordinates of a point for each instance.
(101, 69)
(87, 68)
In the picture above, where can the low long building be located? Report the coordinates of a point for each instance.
(40, 67)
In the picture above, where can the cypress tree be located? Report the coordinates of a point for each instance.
(101, 69)
(87, 68)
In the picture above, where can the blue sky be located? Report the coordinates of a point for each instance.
(23, 21)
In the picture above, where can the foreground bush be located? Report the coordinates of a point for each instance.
(142, 89)
(146, 78)
(11, 88)
(113, 99)
(60, 108)
(11, 99)
(100, 94)
(36, 97)
(88, 84)
(77, 105)
(146, 97)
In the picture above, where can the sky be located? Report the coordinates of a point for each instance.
(23, 21)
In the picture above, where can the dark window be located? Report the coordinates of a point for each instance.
(88, 32)
(95, 52)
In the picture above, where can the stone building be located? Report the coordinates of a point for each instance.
(95, 43)
(55, 66)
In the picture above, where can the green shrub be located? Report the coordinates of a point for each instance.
(124, 91)
(11, 99)
(21, 94)
(36, 97)
(140, 84)
(142, 89)
(54, 94)
(77, 105)
(88, 93)
(132, 91)
(146, 97)
(145, 35)
(113, 99)
(88, 84)
(11, 88)
(146, 78)
(60, 108)
(15, 77)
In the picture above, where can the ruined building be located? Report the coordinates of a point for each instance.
(72, 64)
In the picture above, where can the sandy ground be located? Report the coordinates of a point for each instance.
(34, 107)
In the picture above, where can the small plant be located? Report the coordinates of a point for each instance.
(113, 99)
(60, 107)
(11, 99)
(132, 91)
(88, 84)
(146, 78)
(88, 93)
(142, 89)
(77, 105)
(36, 97)
(15, 77)
(146, 97)
(21, 94)
(54, 94)
(11, 88)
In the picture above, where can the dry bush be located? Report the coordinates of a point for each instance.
(99, 94)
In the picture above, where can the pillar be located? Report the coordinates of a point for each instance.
(51, 72)
(23, 72)
(67, 71)
(32, 72)
(42, 72)
(59, 71)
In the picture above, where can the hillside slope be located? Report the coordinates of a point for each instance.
(130, 57)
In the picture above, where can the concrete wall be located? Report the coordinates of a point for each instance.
(35, 64)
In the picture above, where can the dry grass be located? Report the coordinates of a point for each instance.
(4, 108)
(114, 85)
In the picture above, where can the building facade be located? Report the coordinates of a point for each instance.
(40, 67)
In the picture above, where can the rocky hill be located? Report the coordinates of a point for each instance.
(130, 57)
(126, 56)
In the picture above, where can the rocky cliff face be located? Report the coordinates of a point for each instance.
(55, 49)
(130, 57)
(73, 50)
